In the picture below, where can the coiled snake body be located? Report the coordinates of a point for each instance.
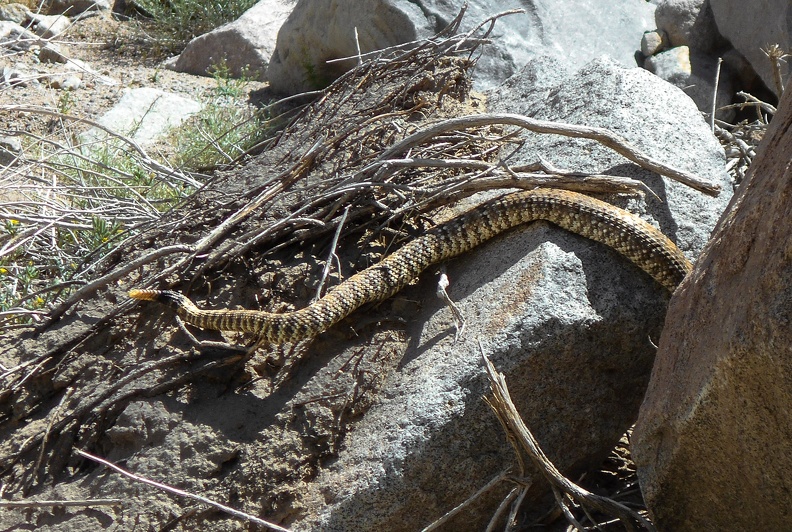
(634, 238)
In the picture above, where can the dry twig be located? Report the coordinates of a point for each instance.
(181, 493)
(565, 491)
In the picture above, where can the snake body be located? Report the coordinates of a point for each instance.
(634, 238)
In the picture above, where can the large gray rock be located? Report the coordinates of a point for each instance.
(713, 442)
(695, 74)
(568, 321)
(575, 31)
(243, 46)
(751, 29)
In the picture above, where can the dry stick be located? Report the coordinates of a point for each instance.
(504, 407)
(76, 502)
(715, 95)
(605, 137)
(182, 493)
(331, 255)
(451, 513)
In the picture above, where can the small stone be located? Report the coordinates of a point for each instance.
(48, 26)
(51, 53)
(18, 13)
(15, 37)
(671, 64)
(10, 149)
(653, 42)
(71, 83)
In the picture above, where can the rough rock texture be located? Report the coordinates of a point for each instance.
(541, 302)
(144, 114)
(695, 74)
(15, 37)
(653, 42)
(689, 23)
(750, 30)
(319, 30)
(49, 26)
(18, 13)
(243, 46)
(713, 441)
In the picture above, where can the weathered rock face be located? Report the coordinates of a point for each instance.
(713, 443)
(752, 31)
(574, 31)
(565, 319)
(243, 46)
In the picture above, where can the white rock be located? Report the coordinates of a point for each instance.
(653, 42)
(15, 37)
(49, 26)
(245, 45)
(144, 114)
(18, 13)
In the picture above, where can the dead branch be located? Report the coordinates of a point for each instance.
(566, 491)
(182, 493)
(605, 137)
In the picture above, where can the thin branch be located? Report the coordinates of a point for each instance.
(331, 255)
(64, 503)
(501, 402)
(605, 137)
(182, 493)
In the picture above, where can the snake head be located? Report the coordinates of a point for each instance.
(165, 297)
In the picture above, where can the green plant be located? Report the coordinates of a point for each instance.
(175, 22)
(68, 205)
(228, 85)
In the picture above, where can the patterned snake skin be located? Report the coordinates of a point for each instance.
(626, 233)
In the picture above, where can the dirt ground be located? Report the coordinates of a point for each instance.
(123, 56)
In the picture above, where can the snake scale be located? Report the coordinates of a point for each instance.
(634, 238)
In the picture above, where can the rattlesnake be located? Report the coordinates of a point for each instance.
(599, 221)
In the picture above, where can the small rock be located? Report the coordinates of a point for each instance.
(49, 26)
(74, 7)
(653, 42)
(15, 37)
(18, 13)
(66, 82)
(13, 77)
(51, 53)
(671, 65)
(10, 149)
(689, 23)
